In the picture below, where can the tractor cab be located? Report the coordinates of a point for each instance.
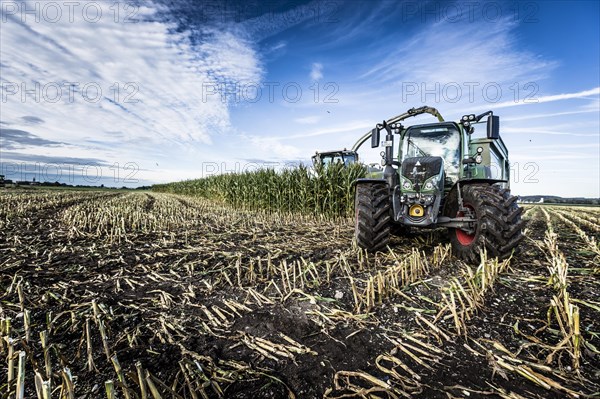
(433, 141)
(324, 159)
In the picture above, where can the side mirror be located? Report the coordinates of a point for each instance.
(493, 127)
(375, 138)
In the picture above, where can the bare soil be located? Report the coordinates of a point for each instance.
(153, 290)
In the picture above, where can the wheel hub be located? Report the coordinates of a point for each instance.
(467, 236)
(416, 211)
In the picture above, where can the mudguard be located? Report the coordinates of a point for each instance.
(451, 198)
(366, 180)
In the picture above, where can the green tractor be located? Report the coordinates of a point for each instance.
(441, 177)
(344, 157)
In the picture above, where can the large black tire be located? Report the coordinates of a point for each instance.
(499, 226)
(372, 216)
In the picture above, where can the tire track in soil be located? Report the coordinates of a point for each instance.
(41, 229)
(393, 317)
(581, 284)
(346, 346)
(505, 305)
(571, 243)
(308, 375)
(266, 238)
(47, 211)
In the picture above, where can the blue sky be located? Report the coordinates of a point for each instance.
(133, 93)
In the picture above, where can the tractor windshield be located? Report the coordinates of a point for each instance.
(435, 141)
(334, 158)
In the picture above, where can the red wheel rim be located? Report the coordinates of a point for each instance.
(462, 236)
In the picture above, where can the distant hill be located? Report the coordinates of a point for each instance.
(553, 199)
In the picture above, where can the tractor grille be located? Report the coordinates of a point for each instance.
(421, 168)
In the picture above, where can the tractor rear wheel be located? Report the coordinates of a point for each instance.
(372, 216)
(499, 225)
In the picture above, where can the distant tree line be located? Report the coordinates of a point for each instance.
(7, 182)
(551, 199)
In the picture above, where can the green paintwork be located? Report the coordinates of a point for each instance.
(489, 164)
(487, 169)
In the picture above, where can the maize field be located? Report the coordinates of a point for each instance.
(139, 295)
(324, 192)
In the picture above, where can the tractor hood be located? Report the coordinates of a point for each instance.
(418, 196)
(422, 173)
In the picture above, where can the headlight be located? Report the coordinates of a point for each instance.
(472, 117)
(478, 159)
(428, 186)
(479, 150)
(406, 185)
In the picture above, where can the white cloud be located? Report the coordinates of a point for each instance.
(316, 71)
(272, 23)
(550, 98)
(226, 57)
(308, 120)
(478, 53)
(347, 127)
(548, 115)
(170, 76)
(277, 46)
(546, 130)
(267, 148)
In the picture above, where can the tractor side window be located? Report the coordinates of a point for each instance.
(497, 171)
(339, 158)
(331, 159)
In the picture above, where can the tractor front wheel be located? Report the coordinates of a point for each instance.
(498, 229)
(372, 216)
